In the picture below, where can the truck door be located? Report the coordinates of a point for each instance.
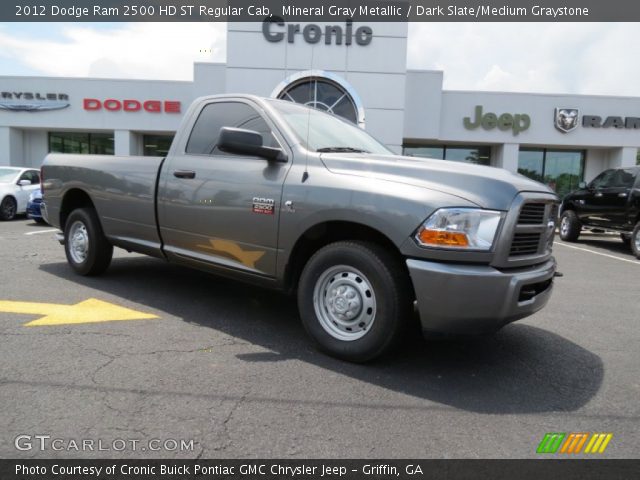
(617, 198)
(611, 197)
(592, 209)
(220, 208)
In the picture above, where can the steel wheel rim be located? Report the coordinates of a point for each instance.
(636, 240)
(345, 303)
(8, 208)
(78, 242)
(564, 226)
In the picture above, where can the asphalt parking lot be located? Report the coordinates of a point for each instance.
(228, 367)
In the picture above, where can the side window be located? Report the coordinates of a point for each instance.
(603, 180)
(32, 175)
(258, 124)
(624, 179)
(204, 136)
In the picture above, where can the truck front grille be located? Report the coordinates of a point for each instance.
(533, 235)
(525, 244)
(532, 214)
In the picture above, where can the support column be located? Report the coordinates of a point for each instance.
(125, 142)
(623, 157)
(506, 156)
(11, 147)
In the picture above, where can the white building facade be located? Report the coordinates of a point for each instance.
(355, 70)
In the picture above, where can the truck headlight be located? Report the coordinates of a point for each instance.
(460, 229)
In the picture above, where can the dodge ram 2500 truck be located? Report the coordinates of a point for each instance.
(285, 196)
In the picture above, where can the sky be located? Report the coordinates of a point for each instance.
(582, 58)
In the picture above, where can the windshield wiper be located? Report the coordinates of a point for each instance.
(341, 149)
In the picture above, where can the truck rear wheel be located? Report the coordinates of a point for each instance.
(569, 226)
(635, 241)
(88, 250)
(354, 299)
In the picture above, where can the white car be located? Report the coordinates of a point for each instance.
(16, 184)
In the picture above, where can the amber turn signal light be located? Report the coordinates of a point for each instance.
(442, 237)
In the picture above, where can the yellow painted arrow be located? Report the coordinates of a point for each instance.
(89, 311)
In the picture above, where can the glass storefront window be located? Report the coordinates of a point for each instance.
(562, 170)
(156, 145)
(81, 142)
(424, 152)
(531, 164)
(476, 155)
(480, 155)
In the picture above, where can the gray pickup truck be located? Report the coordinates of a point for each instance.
(284, 196)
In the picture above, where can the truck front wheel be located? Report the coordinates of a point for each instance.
(88, 250)
(635, 241)
(569, 226)
(354, 299)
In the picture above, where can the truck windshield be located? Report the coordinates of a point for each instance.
(321, 132)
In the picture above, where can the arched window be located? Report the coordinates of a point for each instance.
(323, 91)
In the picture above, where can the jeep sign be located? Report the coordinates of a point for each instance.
(517, 123)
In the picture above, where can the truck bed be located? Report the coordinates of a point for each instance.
(123, 189)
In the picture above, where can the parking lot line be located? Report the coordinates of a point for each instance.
(42, 231)
(635, 262)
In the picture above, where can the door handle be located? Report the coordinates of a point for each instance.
(184, 174)
(598, 194)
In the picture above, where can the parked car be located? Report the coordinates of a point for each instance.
(611, 201)
(16, 184)
(288, 197)
(33, 206)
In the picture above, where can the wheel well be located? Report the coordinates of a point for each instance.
(323, 234)
(73, 199)
(566, 208)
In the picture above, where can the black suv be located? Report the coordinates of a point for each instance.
(610, 202)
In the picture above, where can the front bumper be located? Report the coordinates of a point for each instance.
(472, 299)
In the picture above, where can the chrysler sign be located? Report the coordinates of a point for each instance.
(33, 101)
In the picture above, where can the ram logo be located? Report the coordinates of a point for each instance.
(566, 119)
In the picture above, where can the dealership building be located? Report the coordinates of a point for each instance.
(357, 71)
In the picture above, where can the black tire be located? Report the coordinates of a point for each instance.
(626, 239)
(386, 284)
(570, 226)
(8, 208)
(635, 241)
(96, 257)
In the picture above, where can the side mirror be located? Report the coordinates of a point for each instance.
(582, 185)
(248, 142)
(24, 183)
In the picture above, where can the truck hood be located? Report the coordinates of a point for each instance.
(487, 187)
